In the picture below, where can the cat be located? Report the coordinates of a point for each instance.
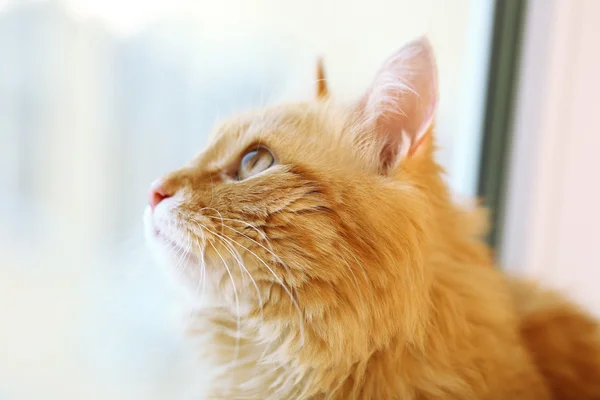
(333, 264)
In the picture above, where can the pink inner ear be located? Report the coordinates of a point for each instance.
(402, 100)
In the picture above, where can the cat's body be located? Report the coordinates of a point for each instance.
(563, 340)
(567, 359)
(338, 266)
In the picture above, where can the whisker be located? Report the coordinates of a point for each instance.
(185, 253)
(261, 233)
(198, 236)
(243, 268)
(174, 252)
(232, 242)
(202, 277)
(277, 258)
(179, 252)
(237, 304)
(215, 210)
(280, 282)
(229, 247)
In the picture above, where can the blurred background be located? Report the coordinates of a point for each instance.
(98, 98)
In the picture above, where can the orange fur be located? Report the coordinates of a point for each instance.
(345, 271)
(563, 339)
(322, 90)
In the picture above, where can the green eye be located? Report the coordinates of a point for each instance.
(254, 162)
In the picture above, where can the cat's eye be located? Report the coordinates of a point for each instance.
(255, 161)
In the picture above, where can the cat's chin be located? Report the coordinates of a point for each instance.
(179, 263)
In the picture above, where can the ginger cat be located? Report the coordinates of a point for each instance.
(334, 265)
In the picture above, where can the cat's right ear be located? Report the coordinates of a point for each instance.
(322, 90)
(399, 107)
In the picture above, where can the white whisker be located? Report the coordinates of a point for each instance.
(277, 258)
(279, 281)
(243, 268)
(237, 303)
(236, 255)
(285, 288)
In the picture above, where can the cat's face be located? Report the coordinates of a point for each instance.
(297, 208)
(259, 203)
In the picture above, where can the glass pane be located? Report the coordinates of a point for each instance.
(97, 98)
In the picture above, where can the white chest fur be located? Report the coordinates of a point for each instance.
(243, 363)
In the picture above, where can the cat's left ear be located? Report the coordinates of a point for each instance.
(399, 107)
(322, 90)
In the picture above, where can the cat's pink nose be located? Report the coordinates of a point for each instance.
(157, 194)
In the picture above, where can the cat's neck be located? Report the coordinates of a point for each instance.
(458, 230)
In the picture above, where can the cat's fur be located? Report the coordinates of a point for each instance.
(345, 271)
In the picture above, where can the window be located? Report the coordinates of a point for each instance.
(97, 98)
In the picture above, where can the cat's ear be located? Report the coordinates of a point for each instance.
(400, 105)
(322, 90)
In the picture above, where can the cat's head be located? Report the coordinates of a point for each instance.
(312, 217)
